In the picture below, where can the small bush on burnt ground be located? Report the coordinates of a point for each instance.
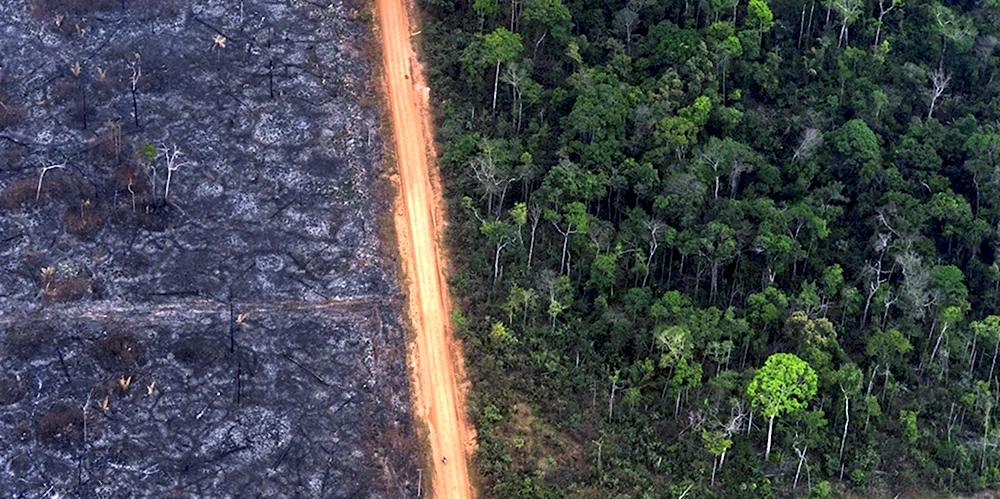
(153, 215)
(11, 391)
(68, 290)
(124, 166)
(22, 192)
(58, 287)
(63, 91)
(86, 220)
(198, 354)
(120, 387)
(19, 193)
(110, 149)
(391, 440)
(10, 114)
(64, 425)
(101, 84)
(68, 12)
(132, 181)
(74, 92)
(120, 352)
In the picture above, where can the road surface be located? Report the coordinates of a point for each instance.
(436, 357)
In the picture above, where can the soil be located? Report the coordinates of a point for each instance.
(194, 301)
(436, 357)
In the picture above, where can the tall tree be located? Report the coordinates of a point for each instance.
(786, 383)
(499, 47)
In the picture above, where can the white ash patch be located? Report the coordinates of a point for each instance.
(274, 129)
(312, 224)
(209, 189)
(270, 263)
(293, 179)
(245, 206)
(256, 432)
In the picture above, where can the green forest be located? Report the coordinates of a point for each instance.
(724, 248)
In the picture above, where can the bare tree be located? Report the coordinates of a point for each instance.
(655, 230)
(714, 158)
(882, 11)
(811, 140)
(502, 243)
(847, 421)
(38, 191)
(489, 175)
(731, 427)
(136, 75)
(877, 280)
(739, 168)
(939, 82)
(849, 11)
(802, 460)
(611, 400)
(484, 169)
(515, 76)
(535, 213)
(627, 20)
(570, 230)
(171, 155)
(916, 282)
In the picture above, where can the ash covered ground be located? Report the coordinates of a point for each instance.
(193, 297)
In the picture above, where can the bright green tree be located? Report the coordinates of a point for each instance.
(759, 16)
(784, 384)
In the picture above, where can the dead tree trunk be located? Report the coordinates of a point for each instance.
(940, 81)
(847, 421)
(770, 430)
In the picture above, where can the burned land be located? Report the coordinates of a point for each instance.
(194, 300)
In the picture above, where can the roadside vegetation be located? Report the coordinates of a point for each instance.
(724, 248)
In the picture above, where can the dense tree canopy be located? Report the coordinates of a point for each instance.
(676, 220)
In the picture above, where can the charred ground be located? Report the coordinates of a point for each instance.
(193, 299)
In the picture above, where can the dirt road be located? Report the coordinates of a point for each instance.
(436, 357)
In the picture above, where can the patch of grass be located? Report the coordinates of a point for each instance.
(19, 193)
(10, 114)
(153, 215)
(86, 220)
(66, 14)
(23, 192)
(59, 287)
(120, 352)
(110, 147)
(65, 425)
(63, 91)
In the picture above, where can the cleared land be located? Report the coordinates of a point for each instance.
(235, 335)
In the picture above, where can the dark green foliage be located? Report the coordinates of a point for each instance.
(664, 195)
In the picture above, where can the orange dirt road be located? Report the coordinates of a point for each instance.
(436, 358)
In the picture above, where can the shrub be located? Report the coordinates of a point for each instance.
(86, 220)
(65, 425)
(120, 352)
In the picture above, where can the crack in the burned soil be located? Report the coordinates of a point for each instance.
(143, 313)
